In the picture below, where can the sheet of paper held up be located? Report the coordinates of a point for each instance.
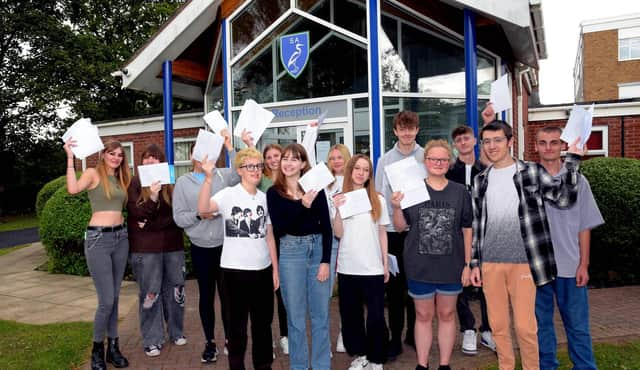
(500, 95)
(86, 137)
(579, 124)
(151, 173)
(394, 269)
(253, 118)
(356, 202)
(408, 177)
(310, 137)
(215, 121)
(316, 178)
(209, 144)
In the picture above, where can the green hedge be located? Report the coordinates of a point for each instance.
(47, 191)
(615, 246)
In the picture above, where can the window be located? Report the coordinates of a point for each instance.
(629, 49)
(598, 143)
(128, 153)
(182, 155)
(629, 90)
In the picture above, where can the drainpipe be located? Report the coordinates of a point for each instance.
(622, 136)
(520, 89)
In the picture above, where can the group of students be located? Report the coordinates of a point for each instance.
(253, 231)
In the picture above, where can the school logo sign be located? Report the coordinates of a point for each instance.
(294, 52)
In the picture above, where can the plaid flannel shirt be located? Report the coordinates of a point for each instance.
(534, 186)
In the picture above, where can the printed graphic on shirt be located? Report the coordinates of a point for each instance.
(436, 231)
(245, 223)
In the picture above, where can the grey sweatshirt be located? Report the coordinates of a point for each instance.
(206, 233)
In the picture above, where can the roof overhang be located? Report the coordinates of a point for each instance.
(141, 71)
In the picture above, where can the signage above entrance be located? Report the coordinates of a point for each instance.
(294, 52)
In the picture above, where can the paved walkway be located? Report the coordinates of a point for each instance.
(37, 297)
(18, 237)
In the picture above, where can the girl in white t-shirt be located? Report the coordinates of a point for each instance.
(362, 269)
(249, 263)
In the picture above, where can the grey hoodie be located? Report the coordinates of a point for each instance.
(207, 233)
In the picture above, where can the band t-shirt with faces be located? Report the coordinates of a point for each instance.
(245, 218)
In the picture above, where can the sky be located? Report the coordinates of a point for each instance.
(562, 20)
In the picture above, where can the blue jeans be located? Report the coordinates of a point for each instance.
(302, 293)
(573, 303)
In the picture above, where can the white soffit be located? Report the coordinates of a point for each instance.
(167, 44)
(611, 23)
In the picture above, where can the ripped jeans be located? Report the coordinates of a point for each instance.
(160, 278)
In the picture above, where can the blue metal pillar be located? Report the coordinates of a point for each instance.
(471, 73)
(225, 80)
(375, 98)
(167, 105)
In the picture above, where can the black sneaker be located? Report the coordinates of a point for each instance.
(444, 367)
(210, 353)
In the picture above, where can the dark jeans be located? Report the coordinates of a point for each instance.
(249, 294)
(467, 321)
(397, 298)
(206, 264)
(160, 278)
(355, 292)
(106, 253)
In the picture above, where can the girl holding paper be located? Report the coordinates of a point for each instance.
(106, 244)
(362, 269)
(437, 252)
(157, 259)
(301, 223)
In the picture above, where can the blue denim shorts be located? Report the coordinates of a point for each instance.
(421, 290)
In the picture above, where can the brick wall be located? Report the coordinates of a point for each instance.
(601, 69)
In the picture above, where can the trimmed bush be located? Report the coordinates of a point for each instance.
(615, 246)
(47, 191)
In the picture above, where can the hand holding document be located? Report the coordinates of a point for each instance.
(408, 177)
(579, 125)
(316, 178)
(309, 143)
(500, 95)
(253, 118)
(394, 269)
(215, 121)
(207, 144)
(86, 137)
(151, 173)
(355, 202)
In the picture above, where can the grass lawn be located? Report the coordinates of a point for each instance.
(619, 356)
(4, 251)
(10, 223)
(51, 346)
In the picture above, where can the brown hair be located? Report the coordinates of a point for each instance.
(376, 207)
(549, 130)
(460, 130)
(153, 150)
(266, 170)
(405, 119)
(297, 151)
(121, 173)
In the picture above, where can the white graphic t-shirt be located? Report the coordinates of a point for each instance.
(245, 218)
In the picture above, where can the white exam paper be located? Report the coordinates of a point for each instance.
(356, 202)
(309, 143)
(408, 177)
(209, 144)
(394, 269)
(579, 124)
(317, 178)
(215, 121)
(86, 137)
(500, 95)
(253, 118)
(151, 173)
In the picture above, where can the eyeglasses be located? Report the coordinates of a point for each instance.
(495, 140)
(438, 160)
(253, 167)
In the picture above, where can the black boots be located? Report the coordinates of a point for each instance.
(113, 354)
(97, 357)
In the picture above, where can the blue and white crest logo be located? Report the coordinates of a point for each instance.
(294, 52)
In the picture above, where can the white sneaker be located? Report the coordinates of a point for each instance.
(469, 342)
(373, 366)
(340, 344)
(360, 363)
(180, 341)
(152, 351)
(486, 339)
(226, 348)
(284, 345)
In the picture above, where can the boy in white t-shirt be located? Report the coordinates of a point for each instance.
(249, 262)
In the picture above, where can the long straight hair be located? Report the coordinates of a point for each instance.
(154, 151)
(347, 186)
(266, 170)
(121, 173)
(296, 151)
(345, 155)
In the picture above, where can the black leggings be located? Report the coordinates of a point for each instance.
(206, 263)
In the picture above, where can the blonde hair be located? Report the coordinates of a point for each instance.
(376, 207)
(345, 154)
(437, 143)
(121, 173)
(246, 153)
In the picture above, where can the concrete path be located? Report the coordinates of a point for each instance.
(18, 237)
(30, 296)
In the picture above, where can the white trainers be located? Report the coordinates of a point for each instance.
(373, 366)
(340, 344)
(486, 339)
(284, 345)
(226, 348)
(469, 342)
(152, 351)
(359, 363)
(180, 341)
